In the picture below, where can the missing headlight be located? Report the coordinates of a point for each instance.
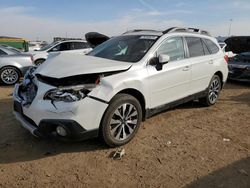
(66, 94)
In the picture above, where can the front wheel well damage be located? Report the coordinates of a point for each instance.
(139, 96)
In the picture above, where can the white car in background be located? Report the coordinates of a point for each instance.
(67, 46)
(13, 64)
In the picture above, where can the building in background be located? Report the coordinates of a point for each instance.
(18, 43)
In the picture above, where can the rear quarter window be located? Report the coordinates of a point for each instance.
(195, 46)
(213, 48)
(78, 45)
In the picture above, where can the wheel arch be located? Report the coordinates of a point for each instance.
(139, 96)
(220, 74)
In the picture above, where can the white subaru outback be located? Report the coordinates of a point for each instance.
(122, 82)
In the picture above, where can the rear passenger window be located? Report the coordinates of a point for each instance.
(211, 46)
(64, 46)
(78, 45)
(195, 46)
(173, 47)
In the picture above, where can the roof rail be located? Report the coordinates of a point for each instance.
(187, 30)
(138, 30)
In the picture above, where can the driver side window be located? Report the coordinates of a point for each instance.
(61, 47)
(173, 47)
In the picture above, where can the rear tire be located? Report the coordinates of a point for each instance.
(9, 75)
(121, 120)
(214, 89)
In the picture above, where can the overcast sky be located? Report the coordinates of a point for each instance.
(45, 19)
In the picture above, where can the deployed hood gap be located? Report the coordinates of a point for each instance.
(77, 79)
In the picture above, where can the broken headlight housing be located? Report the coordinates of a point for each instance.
(69, 94)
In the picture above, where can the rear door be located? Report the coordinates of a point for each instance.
(201, 63)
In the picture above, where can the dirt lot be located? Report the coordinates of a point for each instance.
(189, 146)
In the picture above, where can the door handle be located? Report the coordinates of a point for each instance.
(186, 68)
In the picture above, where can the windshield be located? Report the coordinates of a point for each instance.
(48, 46)
(129, 48)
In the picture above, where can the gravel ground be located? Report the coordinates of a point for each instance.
(188, 146)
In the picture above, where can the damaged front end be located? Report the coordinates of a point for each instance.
(28, 89)
(71, 93)
(73, 88)
(83, 79)
(65, 89)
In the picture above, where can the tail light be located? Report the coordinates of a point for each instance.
(226, 58)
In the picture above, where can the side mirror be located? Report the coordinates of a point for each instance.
(163, 58)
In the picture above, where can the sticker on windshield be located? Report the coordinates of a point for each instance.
(148, 37)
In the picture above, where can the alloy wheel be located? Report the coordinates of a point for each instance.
(9, 76)
(214, 90)
(123, 122)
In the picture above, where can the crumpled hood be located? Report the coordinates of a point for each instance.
(66, 65)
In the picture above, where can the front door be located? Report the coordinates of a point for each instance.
(172, 82)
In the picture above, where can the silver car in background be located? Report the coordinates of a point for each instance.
(13, 64)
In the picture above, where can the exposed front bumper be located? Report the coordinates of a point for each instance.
(32, 129)
(81, 119)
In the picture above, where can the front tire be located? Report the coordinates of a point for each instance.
(9, 75)
(121, 120)
(214, 89)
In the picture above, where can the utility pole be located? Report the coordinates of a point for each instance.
(230, 25)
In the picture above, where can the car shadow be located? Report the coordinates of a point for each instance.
(18, 145)
(190, 105)
(243, 98)
(231, 84)
(232, 176)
